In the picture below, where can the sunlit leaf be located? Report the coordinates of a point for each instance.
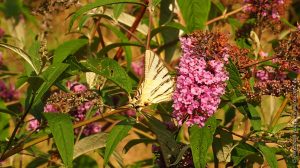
(96, 4)
(195, 13)
(269, 155)
(21, 53)
(117, 9)
(111, 70)
(90, 143)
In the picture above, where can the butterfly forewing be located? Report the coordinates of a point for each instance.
(158, 85)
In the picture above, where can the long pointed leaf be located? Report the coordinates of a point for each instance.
(118, 133)
(201, 139)
(22, 53)
(62, 130)
(90, 143)
(96, 4)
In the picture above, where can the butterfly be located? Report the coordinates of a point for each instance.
(157, 86)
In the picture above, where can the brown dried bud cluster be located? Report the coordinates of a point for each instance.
(49, 8)
(68, 102)
(214, 45)
(289, 49)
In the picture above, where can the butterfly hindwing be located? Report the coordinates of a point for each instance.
(158, 85)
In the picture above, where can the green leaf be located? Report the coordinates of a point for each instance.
(223, 145)
(85, 161)
(34, 52)
(201, 139)
(124, 39)
(117, 9)
(195, 13)
(68, 48)
(4, 109)
(169, 35)
(278, 127)
(243, 151)
(90, 143)
(134, 142)
(165, 138)
(111, 70)
(107, 48)
(234, 81)
(172, 25)
(117, 133)
(50, 75)
(21, 53)
(96, 4)
(4, 126)
(254, 117)
(35, 82)
(155, 2)
(62, 130)
(269, 155)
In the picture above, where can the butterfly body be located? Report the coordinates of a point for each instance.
(157, 86)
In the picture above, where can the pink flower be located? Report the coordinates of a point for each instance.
(33, 124)
(76, 86)
(50, 108)
(138, 67)
(263, 54)
(200, 83)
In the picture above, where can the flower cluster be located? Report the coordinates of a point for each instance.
(8, 93)
(77, 103)
(266, 13)
(276, 80)
(266, 9)
(201, 77)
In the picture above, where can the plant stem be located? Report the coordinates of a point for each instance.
(43, 138)
(224, 16)
(132, 29)
(149, 27)
(11, 139)
(279, 111)
(257, 62)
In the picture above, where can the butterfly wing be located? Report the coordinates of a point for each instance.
(158, 85)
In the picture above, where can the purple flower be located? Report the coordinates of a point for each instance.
(8, 93)
(200, 83)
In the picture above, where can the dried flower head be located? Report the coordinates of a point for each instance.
(78, 103)
(201, 77)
